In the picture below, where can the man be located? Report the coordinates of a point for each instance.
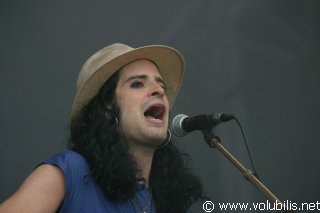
(120, 158)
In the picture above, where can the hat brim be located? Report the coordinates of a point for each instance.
(168, 60)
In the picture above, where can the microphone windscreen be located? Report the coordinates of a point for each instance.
(176, 126)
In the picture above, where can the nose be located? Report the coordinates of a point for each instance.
(157, 90)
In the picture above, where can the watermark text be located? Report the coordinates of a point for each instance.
(209, 206)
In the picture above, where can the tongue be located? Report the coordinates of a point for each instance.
(154, 112)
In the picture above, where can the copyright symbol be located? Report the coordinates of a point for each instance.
(208, 206)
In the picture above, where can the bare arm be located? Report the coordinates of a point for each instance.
(42, 191)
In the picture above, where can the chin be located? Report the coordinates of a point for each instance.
(157, 138)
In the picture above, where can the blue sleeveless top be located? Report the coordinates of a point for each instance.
(83, 194)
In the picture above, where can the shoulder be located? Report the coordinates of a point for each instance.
(73, 165)
(68, 160)
(65, 156)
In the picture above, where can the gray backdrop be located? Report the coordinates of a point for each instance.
(256, 59)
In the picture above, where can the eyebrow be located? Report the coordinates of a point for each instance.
(158, 79)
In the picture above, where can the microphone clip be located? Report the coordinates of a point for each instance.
(211, 139)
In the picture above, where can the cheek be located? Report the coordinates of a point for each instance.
(166, 101)
(128, 106)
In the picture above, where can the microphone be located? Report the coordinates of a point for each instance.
(183, 124)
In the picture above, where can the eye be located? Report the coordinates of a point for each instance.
(164, 87)
(136, 84)
(162, 84)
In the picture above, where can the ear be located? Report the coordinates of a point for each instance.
(109, 106)
(107, 110)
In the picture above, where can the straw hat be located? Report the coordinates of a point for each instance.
(104, 63)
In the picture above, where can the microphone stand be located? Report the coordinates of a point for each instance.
(214, 142)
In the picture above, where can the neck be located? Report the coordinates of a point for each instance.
(143, 156)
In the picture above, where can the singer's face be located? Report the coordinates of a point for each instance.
(143, 104)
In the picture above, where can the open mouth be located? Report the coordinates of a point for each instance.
(155, 112)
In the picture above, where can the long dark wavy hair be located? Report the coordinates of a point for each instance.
(94, 135)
